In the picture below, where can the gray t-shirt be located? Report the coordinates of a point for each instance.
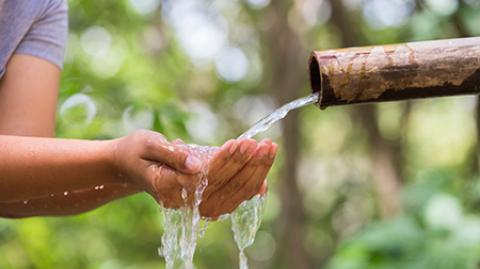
(33, 27)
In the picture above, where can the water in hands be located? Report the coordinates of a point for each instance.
(183, 226)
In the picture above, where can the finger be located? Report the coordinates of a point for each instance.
(173, 155)
(228, 161)
(273, 151)
(240, 187)
(264, 188)
(178, 141)
(222, 155)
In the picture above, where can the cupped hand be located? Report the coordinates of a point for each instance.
(236, 173)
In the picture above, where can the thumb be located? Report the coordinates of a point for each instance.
(173, 155)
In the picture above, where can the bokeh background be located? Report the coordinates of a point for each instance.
(392, 185)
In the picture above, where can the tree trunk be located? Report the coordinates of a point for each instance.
(288, 76)
(464, 32)
(384, 154)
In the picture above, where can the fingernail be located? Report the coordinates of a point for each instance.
(193, 163)
(233, 147)
(251, 149)
(263, 151)
(244, 147)
(227, 145)
(266, 141)
(273, 151)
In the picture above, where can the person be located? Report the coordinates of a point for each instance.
(45, 176)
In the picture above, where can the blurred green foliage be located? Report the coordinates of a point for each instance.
(131, 64)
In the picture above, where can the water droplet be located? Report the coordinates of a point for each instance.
(25, 202)
(184, 195)
(65, 193)
(101, 187)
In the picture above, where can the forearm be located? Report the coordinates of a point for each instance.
(61, 204)
(37, 167)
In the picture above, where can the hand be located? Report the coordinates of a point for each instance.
(237, 172)
(148, 160)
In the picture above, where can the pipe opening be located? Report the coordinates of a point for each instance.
(315, 77)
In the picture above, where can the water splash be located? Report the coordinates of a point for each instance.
(246, 220)
(265, 123)
(182, 227)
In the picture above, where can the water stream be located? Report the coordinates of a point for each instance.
(246, 220)
(280, 113)
(182, 227)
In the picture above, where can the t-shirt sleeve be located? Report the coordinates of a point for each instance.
(38, 28)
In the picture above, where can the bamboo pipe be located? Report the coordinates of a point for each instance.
(396, 72)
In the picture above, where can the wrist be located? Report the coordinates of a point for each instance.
(112, 161)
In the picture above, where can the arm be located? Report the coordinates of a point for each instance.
(48, 176)
(28, 96)
(59, 204)
(34, 167)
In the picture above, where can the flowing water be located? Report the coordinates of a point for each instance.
(246, 220)
(265, 123)
(182, 227)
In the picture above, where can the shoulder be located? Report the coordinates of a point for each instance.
(34, 27)
(30, 10)
(55, 6)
